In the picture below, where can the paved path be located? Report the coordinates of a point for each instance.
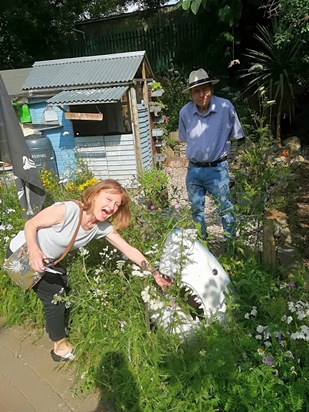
(30, 381)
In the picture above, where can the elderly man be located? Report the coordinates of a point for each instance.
(207, 124)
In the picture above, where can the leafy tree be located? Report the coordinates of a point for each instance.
(228, 11)
(37, 30)
(149, 4)
(294, 23)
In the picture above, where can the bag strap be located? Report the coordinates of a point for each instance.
(68, 248)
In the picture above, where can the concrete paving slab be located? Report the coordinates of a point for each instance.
(29, 379)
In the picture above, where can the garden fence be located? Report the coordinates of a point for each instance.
(176, 43)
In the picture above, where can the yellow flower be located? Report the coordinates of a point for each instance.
(70, 187)
(89, 182)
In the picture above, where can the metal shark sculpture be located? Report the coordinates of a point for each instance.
(202, 281)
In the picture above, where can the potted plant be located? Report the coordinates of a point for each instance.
(156, 107)
(156, 89)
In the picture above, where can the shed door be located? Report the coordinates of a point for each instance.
(146, 150)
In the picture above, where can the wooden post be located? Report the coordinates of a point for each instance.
(145, 85)
(269, 244)
(136, 131)
(272, 218)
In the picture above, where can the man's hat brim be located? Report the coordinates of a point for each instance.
(201, 82)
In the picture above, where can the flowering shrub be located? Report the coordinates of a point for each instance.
(154, 186)
(70, 187)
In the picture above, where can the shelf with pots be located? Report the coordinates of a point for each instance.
(156, 108)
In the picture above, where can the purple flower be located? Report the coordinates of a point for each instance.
(177, 206)
(279, 336)
(291, 284)
(152, 207)
(269, 360)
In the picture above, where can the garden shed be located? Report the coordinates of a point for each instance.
(94, 108)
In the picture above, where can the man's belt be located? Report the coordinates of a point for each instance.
(209, 164)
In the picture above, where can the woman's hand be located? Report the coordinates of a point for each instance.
(137, 257)
(161, 280)
(36, 259)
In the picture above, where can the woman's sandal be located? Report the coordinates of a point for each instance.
(58, 358)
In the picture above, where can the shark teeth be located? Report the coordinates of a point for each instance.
(192, 294)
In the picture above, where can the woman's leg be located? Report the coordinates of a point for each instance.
(49, 290)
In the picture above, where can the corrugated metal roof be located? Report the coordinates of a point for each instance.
(81, 71)
(14, 79)
(89, 96)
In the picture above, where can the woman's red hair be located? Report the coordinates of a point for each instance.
(122, 217)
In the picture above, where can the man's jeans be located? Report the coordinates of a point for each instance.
(214, 181)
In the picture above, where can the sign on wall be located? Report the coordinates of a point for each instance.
(83, 116)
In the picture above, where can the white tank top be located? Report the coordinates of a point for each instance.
(54, 239)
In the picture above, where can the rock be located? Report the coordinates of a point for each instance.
(293, 143)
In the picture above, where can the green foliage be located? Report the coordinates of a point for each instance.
(155, 86)
(10, 213)
(24, 34)
(260, 351)
(227, 11)
(272, 74)
(67, 188)
(294, 24)
(294, 14)
(154, 185)
(174, 82)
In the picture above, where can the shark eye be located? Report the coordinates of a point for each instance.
(215, 272)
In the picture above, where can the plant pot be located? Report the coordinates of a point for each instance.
(157, 132)
(153, 108)
(160, 142)
(158, 119)
(157, 92)
(159, 157)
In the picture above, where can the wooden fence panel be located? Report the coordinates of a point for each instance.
(179, 43)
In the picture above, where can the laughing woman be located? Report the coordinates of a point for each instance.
(105, 209)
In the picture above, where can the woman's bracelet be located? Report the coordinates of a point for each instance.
(145, 267)
(154, 271)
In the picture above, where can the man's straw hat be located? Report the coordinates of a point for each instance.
(199, 77)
